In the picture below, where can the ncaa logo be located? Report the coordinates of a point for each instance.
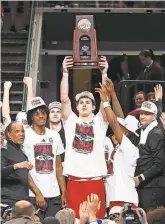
(84, 25)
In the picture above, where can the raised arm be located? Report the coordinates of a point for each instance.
(115, 102)
(65, 101)
(103, 68)
(158, 97)
(112, 120)
(5, 105)
(28, 82)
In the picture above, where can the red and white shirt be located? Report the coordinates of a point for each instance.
(85, 143)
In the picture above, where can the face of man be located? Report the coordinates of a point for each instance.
(55, 115)
(139, 99)
(145, 60)
(40, 117)
(152, 99)
(17, 134)
(85, 107)
(146, 118)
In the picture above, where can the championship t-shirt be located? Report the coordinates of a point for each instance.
(85, 143)
(41, 151)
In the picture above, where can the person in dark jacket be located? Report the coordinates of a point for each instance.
(15, 178)
(149, 174)
(151, 70)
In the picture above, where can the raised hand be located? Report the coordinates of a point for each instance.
(83, 212)
(7, 85)
(158, 92)
(103, 93)
(109, 86)
(103, 65)
(162, 118)
(27, 81)
(93, 204)
(67, 63)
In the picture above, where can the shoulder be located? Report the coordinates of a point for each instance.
(156, 133)
(4, 151)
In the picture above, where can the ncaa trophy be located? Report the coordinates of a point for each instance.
(85, 43)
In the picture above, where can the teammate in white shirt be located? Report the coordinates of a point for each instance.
(85, 140)
(55, 122)
(43, 148)
(120, 183)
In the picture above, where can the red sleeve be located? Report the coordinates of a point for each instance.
(134, 113)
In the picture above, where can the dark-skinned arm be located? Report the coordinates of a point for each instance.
(116, 105)
(61, 179)
(112, 120)
(40, 201)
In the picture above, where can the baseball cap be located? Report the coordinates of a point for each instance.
(55, 104)
(85, 94)
(21, 117)
(149, 107)
(130, 123)
(35, 102)
(115, 209)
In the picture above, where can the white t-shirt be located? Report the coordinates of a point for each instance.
(85, 143)
(41, 151)
(121, 185)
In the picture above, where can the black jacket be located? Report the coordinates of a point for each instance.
(154, 72)
(14, 183)
(151, 162)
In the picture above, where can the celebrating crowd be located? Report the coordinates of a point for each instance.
(63, 168)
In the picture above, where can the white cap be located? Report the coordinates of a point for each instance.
(35, 102)
(115, 209)
(149, 107)
(85, 94)
(130, 123)
(21, 117)
(55, 104)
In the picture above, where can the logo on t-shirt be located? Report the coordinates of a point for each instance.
(43, 158)
(84, 138)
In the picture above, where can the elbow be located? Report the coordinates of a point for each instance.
(64, 99)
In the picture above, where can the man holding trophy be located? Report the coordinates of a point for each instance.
(85, 134)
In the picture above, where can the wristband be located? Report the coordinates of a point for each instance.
(106, 104)
(65, 74)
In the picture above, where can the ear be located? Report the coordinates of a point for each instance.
(154, 117)
(9, 135)
(93, 108)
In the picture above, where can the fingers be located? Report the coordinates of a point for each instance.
(163, 116)
(103, 58)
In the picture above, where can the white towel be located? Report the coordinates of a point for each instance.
(145, 133)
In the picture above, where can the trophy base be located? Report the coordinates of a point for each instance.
(85, 65)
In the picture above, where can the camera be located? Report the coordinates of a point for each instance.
(129, 215)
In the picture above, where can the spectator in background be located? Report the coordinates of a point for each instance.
(23, 213)
(66, 216)
(151, 70)
(51, 220)
(151, 97)
(139, 98)
(156, 216)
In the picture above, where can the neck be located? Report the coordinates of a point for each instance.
(55, 126)
(86, 119)
(39, 129)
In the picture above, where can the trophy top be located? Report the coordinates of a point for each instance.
(84, 22)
